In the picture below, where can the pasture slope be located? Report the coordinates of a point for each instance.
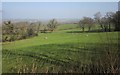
(62, 51)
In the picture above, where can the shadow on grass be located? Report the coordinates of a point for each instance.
(45, 52)
(91, 31)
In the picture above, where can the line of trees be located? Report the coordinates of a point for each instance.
(22, 30)
(17, 31)
(109, 22)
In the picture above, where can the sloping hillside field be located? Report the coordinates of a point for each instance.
(64, 50)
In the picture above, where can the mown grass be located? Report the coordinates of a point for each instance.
(60, 52)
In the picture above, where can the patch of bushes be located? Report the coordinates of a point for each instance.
(12, 31)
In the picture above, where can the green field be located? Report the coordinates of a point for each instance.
(59, 51)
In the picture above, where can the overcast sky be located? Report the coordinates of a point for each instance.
(48, 10)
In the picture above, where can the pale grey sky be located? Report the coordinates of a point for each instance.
(48, 10)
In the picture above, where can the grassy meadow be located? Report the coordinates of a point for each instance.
(66, 49)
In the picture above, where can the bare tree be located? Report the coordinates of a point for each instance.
(38, 28)
(89, 23)
(104, 23)
(97, 18)
(116, 20)
(52, 24)
(86, 22)
(109, 16)
(82, 24)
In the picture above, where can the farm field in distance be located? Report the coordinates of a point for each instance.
(64, 50)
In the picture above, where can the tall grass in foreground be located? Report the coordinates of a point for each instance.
(109, 60)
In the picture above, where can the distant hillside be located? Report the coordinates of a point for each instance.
(44, 21)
